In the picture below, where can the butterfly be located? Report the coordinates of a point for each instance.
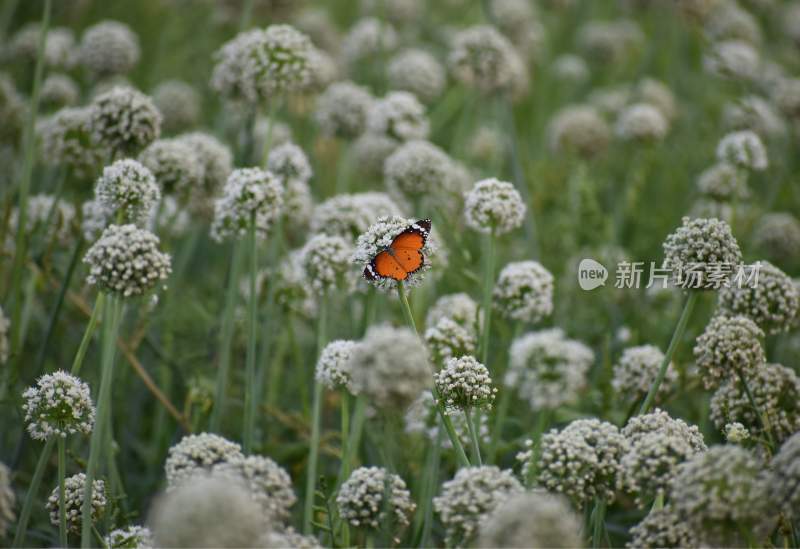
(403, 256)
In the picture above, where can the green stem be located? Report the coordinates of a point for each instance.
(401, 291)
(354, 442)
(344, 470)
(226, 341)
(658, 502)
(247, 15)
(87, 335)
(673, 344)
(99, 433)
(541, 424)
(250, 365)
(502, 408)
(428, 489)
(62, 507)
(488, 283)
(33, 488)
(598, 519)
(473, 436)
(316, 416)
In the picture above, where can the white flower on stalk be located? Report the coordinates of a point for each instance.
(57, 406)
(251, 195)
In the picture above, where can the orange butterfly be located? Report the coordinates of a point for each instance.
(403, 256)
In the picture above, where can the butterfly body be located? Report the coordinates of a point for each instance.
(403, 256)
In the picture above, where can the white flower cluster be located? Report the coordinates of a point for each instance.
(736, 433)
(59, 49)
(126, 261)
(109, 48)
(464, 384)
(582, 460)
(67, 139)
(95, 218)
(785, 480)
(198, 454)
(289, 537)
(776, 392)
(642, 122)
(722, 182)
(610, 42)
(350, 215)
(175, 165)
(390, 366)
(399, 115)
(73, 502)
(656, 445)
(720, 492)
(259, 64)
(730, 346)
(132, 537)
(548, 370)
(482, 58)
(217, 163)
(7, 500)
(756, 114)
(369, 151)
(250, 195)
(459, 307)
(743, 149)
(124, 120)
(524, 292)
(325, 261)
(698, 244)
(341, 110)
(58, 405)
(322, 70)
(418, 72)
(469, 497)
(637, 368)
(333, 365)
(417, 169)
(368, 37)
(288, 161)
(778, 235)
(58, 90)
(773, 303)
(422, 417)
(128, 190)
(733, 59)
(531, 519)
(179, 103)
(661, 528)
(578, 129)
(494, 206)
(268, 483)
(362, 499)
(448, 338)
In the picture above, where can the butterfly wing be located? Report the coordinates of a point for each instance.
(384, 265)
(407, 246)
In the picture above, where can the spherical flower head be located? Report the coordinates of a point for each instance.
(390, 366)
(772, 303)
(133, 537)
(175, 165)
(288, 537)
(362, 499)
(5, 324)
(733, 59)
(7, 500)
(656, 445)
(642, 122)
(464, 383)
(67, 140)
(784, 484)
(459, 307)
(58, 405)
(524, 292)
(260, 64)
(736, 433)
(209, 511)
(578, 129)
(196, 454)
(350, 215)
(333, 365)
(418, 72)
(369, 152)
(775, 390)
(297, 204)
(417, 169)
(126, 261)
(124, 120)
(778, 236)
(128, 189)
(571, 68)
(720, 492)
(251, 195)
(399, 115)
(531, 519)
(755, 114)
(58, 90)
(699, 249)
(730, 346)
(341, 110)
(73, 502)
(269, 483)
(548, 370)
(326, 262)
(288, 161)
(729, 21)
(322, 70)
(109, 48)
(610, 42)
(469, 497)
(637, 368)
(217, 163)
(59, 49)
(722, 182)
(494, 206)
(367, 37)
(482, 58)
(379, 237)
(582, 461)
(448, 339)
(179, 104)
(661, 528)
(743, 149)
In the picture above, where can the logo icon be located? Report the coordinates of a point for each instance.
(591, 274)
